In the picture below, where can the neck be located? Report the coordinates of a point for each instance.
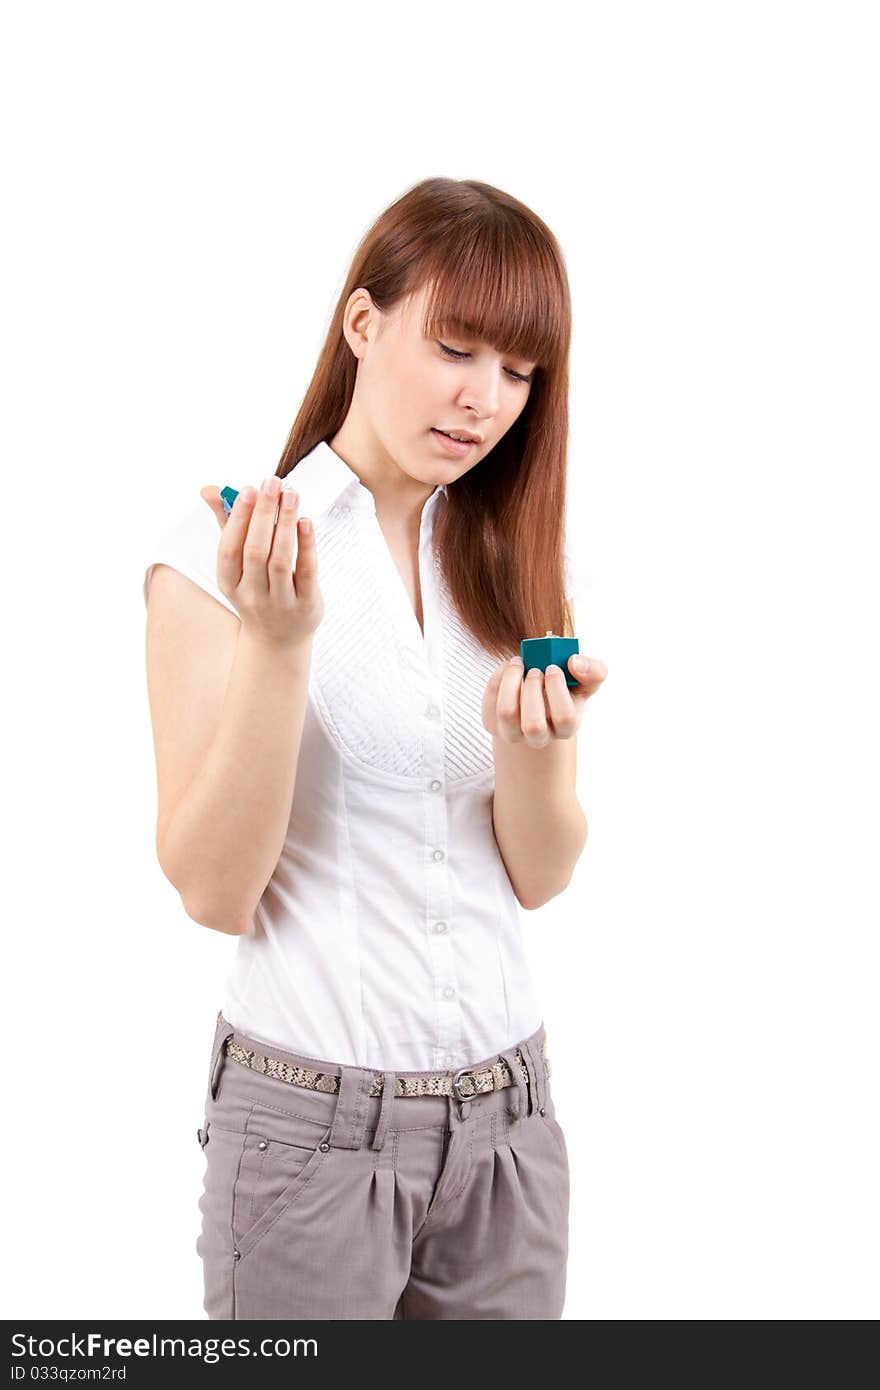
(399, 498)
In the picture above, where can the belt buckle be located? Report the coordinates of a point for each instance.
(455, 1090)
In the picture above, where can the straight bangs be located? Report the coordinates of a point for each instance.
(508, 296)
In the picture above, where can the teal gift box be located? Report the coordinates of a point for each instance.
(549, 650)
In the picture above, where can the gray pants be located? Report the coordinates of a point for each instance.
(345, 1205)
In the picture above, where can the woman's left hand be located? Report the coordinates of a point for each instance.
(542, 707)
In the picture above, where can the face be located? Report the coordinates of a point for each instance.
(409, 387)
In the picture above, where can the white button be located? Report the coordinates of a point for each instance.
(449, 1059)
(435, 785)
(440, 927)
(438, 854)
(449, 992)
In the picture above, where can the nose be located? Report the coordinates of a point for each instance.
(483, 392)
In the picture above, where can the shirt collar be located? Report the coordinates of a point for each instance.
(321, 477)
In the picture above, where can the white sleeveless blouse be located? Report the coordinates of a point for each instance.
(389, 935)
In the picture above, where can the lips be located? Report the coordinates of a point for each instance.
(459, 448)
(465, 436)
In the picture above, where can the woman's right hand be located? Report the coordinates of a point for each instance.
(255, 564)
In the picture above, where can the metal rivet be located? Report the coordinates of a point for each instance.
(236, 1254)
(324, 1147)
(541, 1110)
(262, 1144)
(465, 1109)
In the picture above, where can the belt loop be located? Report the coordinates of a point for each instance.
(535, 1063)
(389, 1083)
(453, 1116)
(222, 1031)
(510, 1057)
(350, 1116)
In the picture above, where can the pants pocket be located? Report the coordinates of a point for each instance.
(273, 1169)
(550, 1122)
(254, 1175)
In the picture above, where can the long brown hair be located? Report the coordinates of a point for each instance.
(494, 272)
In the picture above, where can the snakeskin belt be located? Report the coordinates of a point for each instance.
(466, 1082)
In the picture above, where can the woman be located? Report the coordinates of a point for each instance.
(355, 779)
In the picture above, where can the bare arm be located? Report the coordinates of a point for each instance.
(226, 834)
(540, 828)
(228, 698)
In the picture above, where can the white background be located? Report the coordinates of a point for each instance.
(185, 185)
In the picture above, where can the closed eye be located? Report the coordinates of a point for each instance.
(459, 356)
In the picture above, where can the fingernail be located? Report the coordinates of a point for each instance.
(516, 661)
(581, 664)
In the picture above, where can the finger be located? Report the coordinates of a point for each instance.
(590, 679)
(230, 564)
(494, 683)
(534, 711)
(211, 495)
(561, 707)
(260, 532)
(306, 576)
(507, 705)
(280, 562)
